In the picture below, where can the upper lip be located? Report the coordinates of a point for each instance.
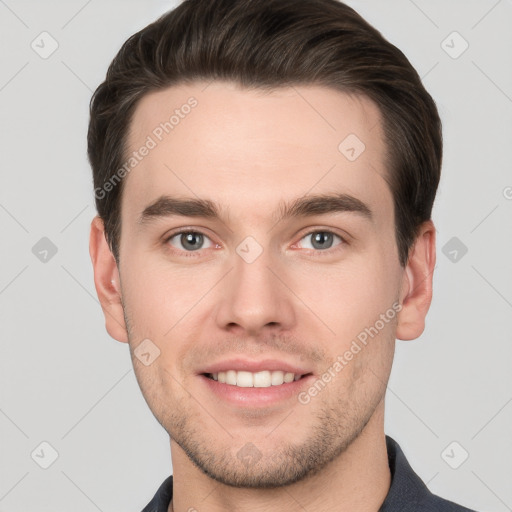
(240, 364)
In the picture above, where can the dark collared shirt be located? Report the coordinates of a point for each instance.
(406, 494)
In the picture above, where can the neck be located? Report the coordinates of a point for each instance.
(358, 480)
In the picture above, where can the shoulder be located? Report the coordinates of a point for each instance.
(162, 498)
(407, 492)
(437, 504)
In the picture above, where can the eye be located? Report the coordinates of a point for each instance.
(189, 241)
(320, 240)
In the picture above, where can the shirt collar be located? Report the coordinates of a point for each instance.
(406, 490)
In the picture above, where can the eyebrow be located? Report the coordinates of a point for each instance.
(306, 206)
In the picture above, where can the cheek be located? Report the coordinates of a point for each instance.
(350, 297)
(159, 295)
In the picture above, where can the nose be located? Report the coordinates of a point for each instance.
(255, 298)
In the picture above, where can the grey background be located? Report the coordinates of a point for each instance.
(64, 381)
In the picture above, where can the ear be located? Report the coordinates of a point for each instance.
(416, 293)
(106, 281)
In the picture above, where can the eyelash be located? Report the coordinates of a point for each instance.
(197, 253)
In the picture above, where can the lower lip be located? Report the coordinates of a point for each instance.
(256, 397)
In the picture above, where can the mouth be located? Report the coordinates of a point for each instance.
(256, 390)
(261, 379)
(247, 383)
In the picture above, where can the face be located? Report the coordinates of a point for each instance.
(258, 241)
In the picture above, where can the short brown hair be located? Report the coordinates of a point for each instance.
(268, 44)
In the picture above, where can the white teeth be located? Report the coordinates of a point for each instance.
(288, 377)
(277, 378)
(231, 377)
(263, 379)
(244, 380)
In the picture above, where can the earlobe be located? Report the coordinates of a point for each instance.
(106, 281)
(416, 293)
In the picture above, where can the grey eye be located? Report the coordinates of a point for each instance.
(320, 240)
(189, 241)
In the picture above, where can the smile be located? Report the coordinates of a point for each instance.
(262, 379)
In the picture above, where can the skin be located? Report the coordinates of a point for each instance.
(251, 151)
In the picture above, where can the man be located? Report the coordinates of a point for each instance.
(264, 173)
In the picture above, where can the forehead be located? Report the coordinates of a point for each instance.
(245, 147)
